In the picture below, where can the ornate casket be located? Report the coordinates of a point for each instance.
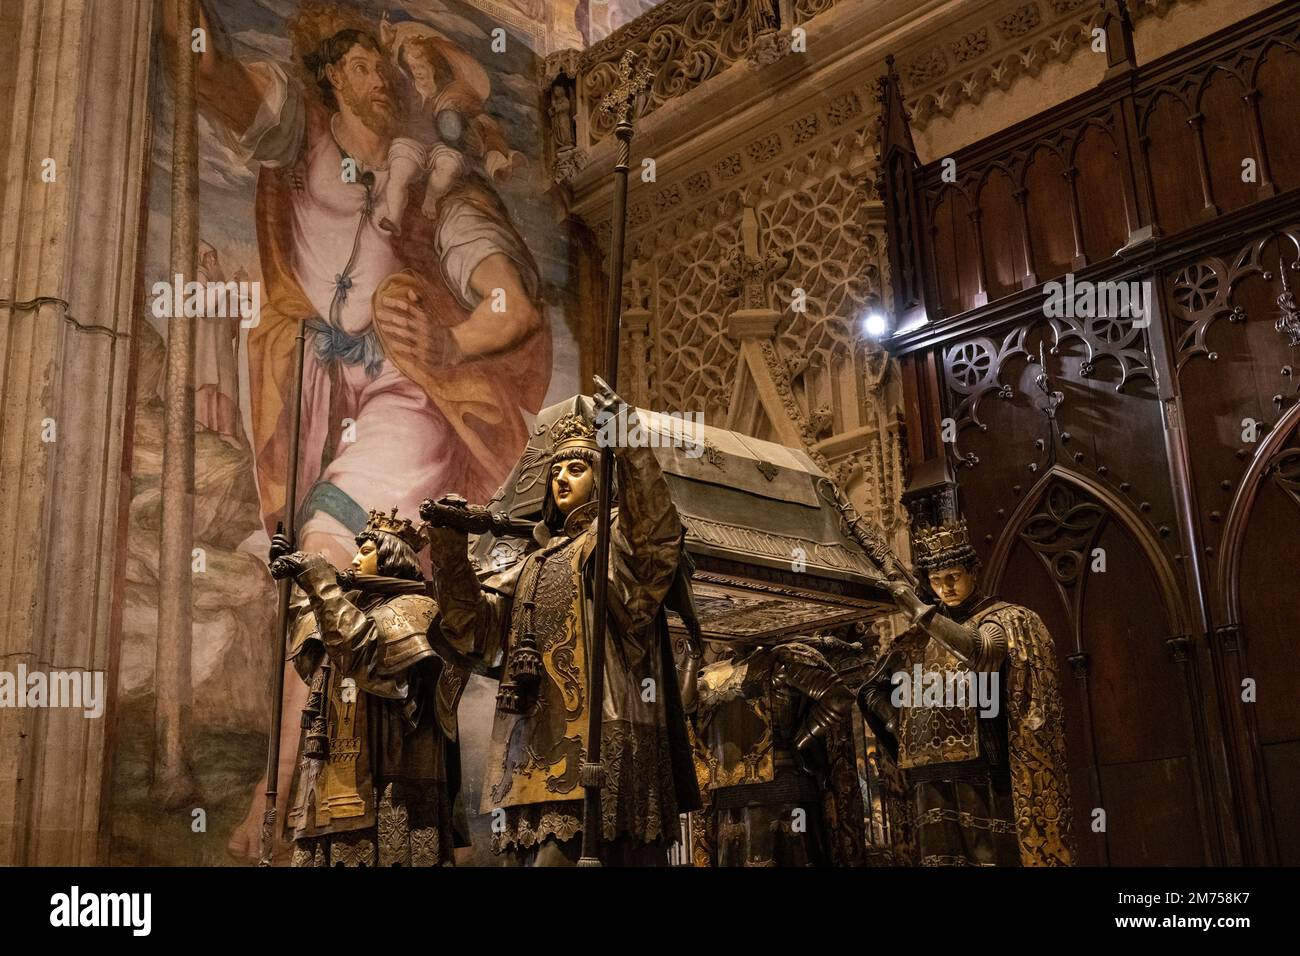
(772, 554)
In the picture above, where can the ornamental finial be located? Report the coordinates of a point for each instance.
(619, 101)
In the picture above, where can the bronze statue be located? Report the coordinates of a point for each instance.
(529, 624)
(775, 760)
(968, 697)
(378, 767)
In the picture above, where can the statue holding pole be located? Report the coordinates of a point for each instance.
(534, 626)
(379, 767)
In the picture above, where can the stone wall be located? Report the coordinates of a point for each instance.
(68, 256)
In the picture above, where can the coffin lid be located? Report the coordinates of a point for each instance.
(772, 553)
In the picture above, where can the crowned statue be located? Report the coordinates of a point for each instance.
(968, 700)
(530, 625)
(378, 767)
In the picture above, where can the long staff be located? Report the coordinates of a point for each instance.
(619, 103)
(289, 528)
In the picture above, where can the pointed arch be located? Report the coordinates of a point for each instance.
(1243, 505)
(1167, 579)
(756, 398)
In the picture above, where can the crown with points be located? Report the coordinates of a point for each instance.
(401, 528)
(572, 432)
(944, 546)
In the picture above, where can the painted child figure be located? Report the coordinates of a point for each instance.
(407, 160)
(452, 88)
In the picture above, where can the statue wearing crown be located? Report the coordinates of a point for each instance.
(967, 698)
(529, 625)
(378, 767)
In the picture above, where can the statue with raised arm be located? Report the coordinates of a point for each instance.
(968, 699)
(378, 767)
(530, 624)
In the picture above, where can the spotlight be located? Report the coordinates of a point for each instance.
(874, 324)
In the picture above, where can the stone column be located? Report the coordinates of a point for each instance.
(172, 785)
(636, 325)
(68, 267)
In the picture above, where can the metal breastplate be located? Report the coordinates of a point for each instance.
(931, 734)
(752, 719)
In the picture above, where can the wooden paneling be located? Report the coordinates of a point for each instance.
(1228, 140)
(1282, 768)
(1279, 112)
(957, 253)
(1051, 235)
(1268, 613)
(1149, 819)
(1172, 148)
(1003, 243)
(1105, 230)
(1200, 516)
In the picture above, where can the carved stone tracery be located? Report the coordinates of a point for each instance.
(739, 248)
(685, 43)
(802, 175)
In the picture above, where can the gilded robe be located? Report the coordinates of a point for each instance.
(535, 757)
(987, 791)
(384, 795)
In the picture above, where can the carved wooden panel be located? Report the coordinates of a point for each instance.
(956, 252)
(1000, 229)
(1236, 370)
(1229, 141)
(1125, 709)
(1237, 103)
(1178, 442)
(1204, 136)
(1049, 202)
(1279, 111)
(1105, 227)
(1271, 549)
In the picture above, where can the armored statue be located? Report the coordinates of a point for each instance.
(378, 766)
(529, 625)
(775, 760)
(968, 698)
